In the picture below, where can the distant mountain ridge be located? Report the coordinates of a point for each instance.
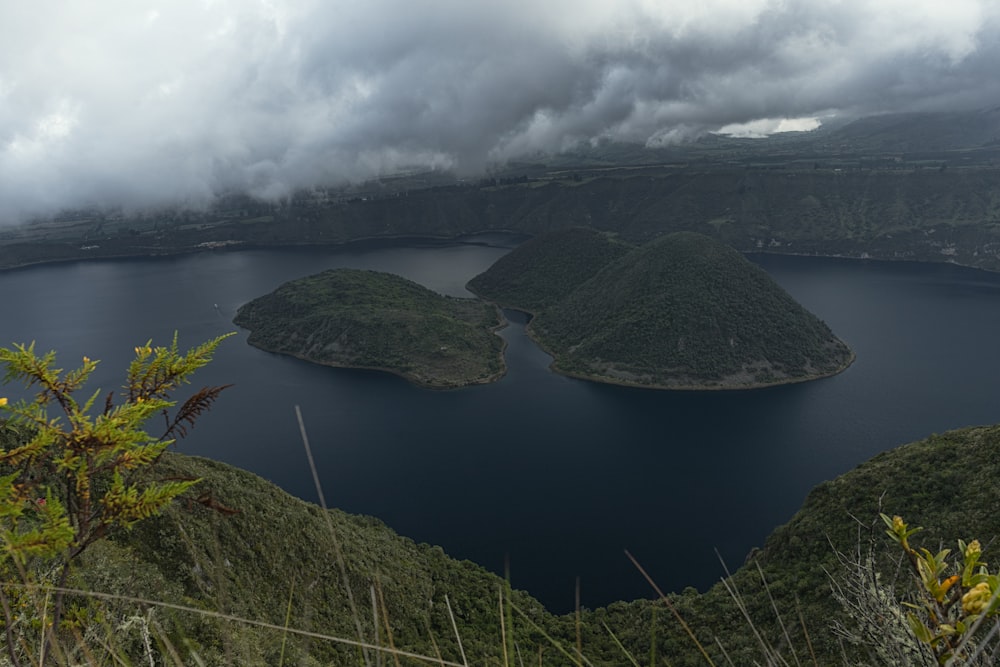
(682, 311)
(917, 186)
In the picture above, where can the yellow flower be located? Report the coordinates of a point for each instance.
(86, 360)
(973, 548)
(897, 524)
(975, 601)
(3, 401)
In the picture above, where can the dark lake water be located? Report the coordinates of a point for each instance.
(556, 475)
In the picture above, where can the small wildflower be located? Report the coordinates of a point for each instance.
(3, 401)
(973, 549)
(898, 525)
(975, 601)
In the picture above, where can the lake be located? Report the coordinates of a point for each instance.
(555, 475)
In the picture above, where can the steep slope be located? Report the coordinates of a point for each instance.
(541, 272)
(239, 545)
(687, 311)
(945, 483)
(921, 132)
(367, 319)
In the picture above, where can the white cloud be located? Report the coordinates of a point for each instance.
(765, 127)
(144, 103)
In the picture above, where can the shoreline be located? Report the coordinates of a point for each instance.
(230, 245)
(236, 246)
(603, 379)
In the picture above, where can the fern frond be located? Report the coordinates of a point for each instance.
(189, 412)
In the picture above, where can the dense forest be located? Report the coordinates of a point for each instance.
(680, 311)
(544, 270)
(205, 552)
(367, 319)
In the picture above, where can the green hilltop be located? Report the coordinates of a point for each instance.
(682, 311)
(368, 319)
(545, 269)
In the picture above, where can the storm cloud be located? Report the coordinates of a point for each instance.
(142, 104)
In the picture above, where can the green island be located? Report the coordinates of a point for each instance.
(372, 320)
(683, 311)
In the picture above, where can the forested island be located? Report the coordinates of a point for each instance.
(681, 312)
(368, 319)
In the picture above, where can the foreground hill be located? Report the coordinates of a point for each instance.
(238, 553)
(945, 483)
(240, 546)
(682, 311)
(367, 319)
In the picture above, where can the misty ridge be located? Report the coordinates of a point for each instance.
(143, 108)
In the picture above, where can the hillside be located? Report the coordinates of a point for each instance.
(683, 311)
(241, 546)
(236, 545)
(944, 483)
(546, 269)
(884, 207)
(367, 319)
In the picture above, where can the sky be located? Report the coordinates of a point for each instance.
(143, 104)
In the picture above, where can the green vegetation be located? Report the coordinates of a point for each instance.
(543, 271)
(683, 311)
(366, 319)
(954, 598)
(834, 577)
(68, 481)
(236, 571)
(237, 547)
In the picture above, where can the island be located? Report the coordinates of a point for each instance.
(682, 311)
(372, 320)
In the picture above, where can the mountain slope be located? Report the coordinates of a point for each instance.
(687, 311)
(546, 269)
(944, 483)
(682, 311)
(239, 545)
